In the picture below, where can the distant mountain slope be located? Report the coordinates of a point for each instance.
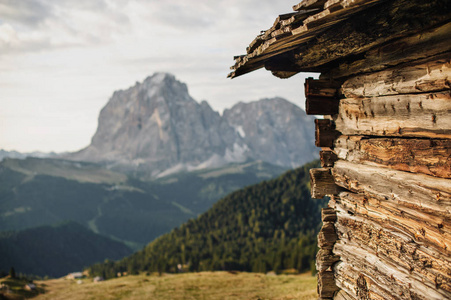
(156, 127)
(268, 226)
(275, 130)
(35, 192)
(103, 201)
(56, 250)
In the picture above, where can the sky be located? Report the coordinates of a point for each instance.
(61, 60)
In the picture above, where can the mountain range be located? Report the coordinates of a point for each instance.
(156, 128)
(157, 159)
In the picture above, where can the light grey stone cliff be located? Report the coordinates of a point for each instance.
(157, 128)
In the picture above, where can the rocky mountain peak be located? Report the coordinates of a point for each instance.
(156, 127)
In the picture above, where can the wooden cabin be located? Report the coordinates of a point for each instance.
(384, 91)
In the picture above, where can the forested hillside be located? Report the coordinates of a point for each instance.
(267, 226)
(56, 250)
(36, 192)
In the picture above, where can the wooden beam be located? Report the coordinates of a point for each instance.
(321, 87)
(326, 284)
(393, 263)
(325, 259)
(405, 50)
(427, 156)
(418, 115)
(322, 183)
(321, 105)
(325, 133)
(417, 191)
(328, 214)
(328, 158)
(432, 74)
(378, 27)
(425, 228)
(309, 4)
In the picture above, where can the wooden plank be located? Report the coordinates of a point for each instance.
(402, 40)
(327, 236)
(418, 115)
(300, 35)
(425, 228)
(309, 4)
(328, 214)
(412, 190)
(326, 284)
(390, 259)
(328, 158)
(342, 295)
(427, 156)
(325, 133)
(401, 51)
(325, 259)
(322, 183)
(427, 75)
(315, 105)
(321, 87)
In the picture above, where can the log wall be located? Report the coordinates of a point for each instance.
(386, 164)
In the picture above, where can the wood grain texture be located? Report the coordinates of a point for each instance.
(322, 183)
(418, 115)
(390, 262)
(427, 156)
(418, 191)
(427, 75)
(405, 50)
(325, 133)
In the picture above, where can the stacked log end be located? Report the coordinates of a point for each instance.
(386, 164)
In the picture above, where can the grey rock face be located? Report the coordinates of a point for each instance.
(156, 127)
(275, 131)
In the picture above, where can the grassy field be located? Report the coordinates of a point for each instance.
(204, 285)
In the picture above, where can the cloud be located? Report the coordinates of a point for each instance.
(32, 26)
(29, 13)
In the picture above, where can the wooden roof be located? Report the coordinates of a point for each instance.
(281, 49)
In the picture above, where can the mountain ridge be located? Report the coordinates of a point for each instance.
(156, 128)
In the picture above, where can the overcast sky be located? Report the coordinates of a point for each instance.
(61, 60)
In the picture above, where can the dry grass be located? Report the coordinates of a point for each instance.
(204, 285)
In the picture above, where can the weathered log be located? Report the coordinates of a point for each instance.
(413, 190)
(394, 245)
(315, 105)
(321, 88)
(382, 27)
(419, 115)
(328, 158)
(328, 214)
(325, 133)
(398, 52)
(424, 228)
(389, 263)
(325, 258)
(326, 284)
(342, 295)
(427, 156)
(309, 4)
(327, 236)
(322, 183)
(428, 75)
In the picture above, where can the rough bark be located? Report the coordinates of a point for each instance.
(419, 115)
(427, 156)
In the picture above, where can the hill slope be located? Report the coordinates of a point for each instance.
(268, 226)
(36, 192)
(56, 250)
